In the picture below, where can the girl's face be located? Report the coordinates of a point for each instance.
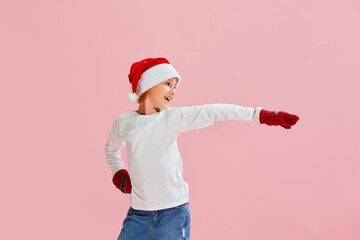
(158, 94)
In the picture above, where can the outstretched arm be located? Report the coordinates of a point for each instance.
(200, 116)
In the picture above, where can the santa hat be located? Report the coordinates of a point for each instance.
(147, 73)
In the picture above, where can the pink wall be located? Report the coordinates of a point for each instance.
(64, 67)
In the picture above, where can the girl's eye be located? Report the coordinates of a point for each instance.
(169, 83)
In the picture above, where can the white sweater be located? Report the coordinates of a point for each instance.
(154, 162)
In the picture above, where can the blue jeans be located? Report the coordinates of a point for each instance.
(165, 224)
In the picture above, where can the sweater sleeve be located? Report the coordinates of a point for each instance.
(200, 116)
(113, 148)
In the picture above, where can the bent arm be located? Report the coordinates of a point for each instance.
(113, 148)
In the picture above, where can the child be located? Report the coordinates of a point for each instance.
(159, 200)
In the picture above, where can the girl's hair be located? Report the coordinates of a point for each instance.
(143, 96)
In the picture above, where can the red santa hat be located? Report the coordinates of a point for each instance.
(147, 73)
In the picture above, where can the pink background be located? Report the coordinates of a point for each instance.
(64, 67)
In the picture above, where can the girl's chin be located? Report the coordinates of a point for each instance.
(165, 106)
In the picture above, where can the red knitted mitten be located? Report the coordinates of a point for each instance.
(122, 181)
(275, 118)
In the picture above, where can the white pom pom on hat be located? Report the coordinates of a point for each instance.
(132, 97)
(147, 73)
